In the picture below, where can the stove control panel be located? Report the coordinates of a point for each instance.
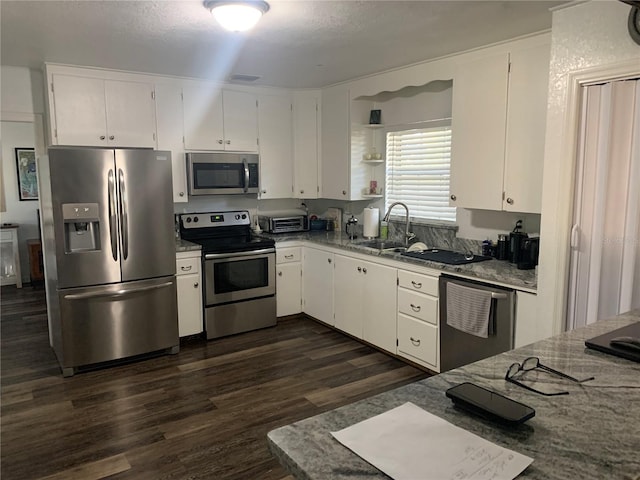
(215, 219)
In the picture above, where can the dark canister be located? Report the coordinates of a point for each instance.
(502, 252)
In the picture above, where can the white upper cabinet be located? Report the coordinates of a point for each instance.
(306, 144)
(96, 112)
(336, 138)
(170, 134)
(498, 130)
(219, 120)
(276, 146)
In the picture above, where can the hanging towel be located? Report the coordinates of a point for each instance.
(468, 309)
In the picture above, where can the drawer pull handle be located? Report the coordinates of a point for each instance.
(186, 269)
(416, 284)
(415, 308)
(288, 256)
(415, 342)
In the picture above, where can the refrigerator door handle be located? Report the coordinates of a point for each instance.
(116, 293)
(113, 230)
(124, 220)
(246, 175)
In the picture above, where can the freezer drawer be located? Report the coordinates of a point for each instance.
(117, 321)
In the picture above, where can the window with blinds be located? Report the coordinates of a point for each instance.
(418, 172)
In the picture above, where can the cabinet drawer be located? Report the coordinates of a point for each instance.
(187, 265)
(417, 282)
(288, 255)
(418, 339)
(423, 307)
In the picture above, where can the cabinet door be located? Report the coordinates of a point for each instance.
(379, 306)
(317, 287)
(305, 145)
(336, 161)
(276, 147)
(190, 320)
(80, 114)
(240, 121)
(349, 295)
(526, 124)
(203, 121)
(131, 114)
(289, 289)
(478, 126)
(170, 134)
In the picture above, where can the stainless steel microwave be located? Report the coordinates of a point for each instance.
(222, 173)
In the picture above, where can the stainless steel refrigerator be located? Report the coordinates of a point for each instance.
(109, 253)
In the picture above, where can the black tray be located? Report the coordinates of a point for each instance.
(446, 256)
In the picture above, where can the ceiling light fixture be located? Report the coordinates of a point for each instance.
(237, 16)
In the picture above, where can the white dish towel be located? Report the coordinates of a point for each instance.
(468, 309)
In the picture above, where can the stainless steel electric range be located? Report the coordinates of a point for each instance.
(239, 272)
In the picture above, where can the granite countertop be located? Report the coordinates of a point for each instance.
(592, 433)
(185, 246)
(490, 271)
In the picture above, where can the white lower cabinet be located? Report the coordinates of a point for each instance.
(365, 301)
(288, 281)
(418, 319)
(189, 287)
(317, 286)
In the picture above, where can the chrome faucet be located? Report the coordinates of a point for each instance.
(407, 235)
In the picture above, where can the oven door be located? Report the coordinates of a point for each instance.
(232, 277)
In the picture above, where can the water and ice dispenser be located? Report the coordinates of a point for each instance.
(81, 227)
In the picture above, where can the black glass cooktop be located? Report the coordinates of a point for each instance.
(446, 256)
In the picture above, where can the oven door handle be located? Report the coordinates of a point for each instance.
(211, 256)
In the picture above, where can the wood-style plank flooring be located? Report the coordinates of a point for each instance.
(201, 414)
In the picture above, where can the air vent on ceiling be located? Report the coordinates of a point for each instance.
(239, 77)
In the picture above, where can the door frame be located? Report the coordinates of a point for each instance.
(560, 255)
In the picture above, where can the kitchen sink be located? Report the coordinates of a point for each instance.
(383, 245)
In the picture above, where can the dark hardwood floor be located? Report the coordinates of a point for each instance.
(201, 414)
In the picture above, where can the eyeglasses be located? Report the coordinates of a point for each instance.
(531, 363)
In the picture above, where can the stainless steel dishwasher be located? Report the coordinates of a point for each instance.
(459, 348)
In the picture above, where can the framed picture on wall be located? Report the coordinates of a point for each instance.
(27, 177)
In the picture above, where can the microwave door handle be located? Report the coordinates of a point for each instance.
(113, 229)
(124, 220)
(246, 175)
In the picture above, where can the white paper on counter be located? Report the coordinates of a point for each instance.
(409, 443)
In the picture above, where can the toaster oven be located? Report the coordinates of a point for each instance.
(283, 224)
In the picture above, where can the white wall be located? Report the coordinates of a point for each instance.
(22, 104)
(584, 37)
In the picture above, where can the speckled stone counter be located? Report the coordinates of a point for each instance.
(490, 271)
(592, 433)
(185, 246)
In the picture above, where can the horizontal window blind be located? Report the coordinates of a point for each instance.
(418, 171)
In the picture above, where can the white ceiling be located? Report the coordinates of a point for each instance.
(297, 44)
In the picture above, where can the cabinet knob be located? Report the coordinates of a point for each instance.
(102, 137)
(301, 191)
(359, 269)
(264, 191)
(510, 201)
(344, 192)
(195, 285)
(364, 270)
(453, 198)
(415, 341)
(181, 194)
(228, 142)
(329, 260)
(220, 142)
(111, 137)
(279, 274)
